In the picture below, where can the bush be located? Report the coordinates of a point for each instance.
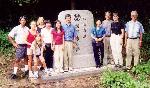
(143, 68)
(118, 79)
(145, 50)
(6, 48)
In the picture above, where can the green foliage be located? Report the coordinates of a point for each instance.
(143, 68)
(118, 79)
(145, 50)
(6, 48)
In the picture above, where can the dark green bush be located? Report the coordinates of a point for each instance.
(145, 50)
(6, 48)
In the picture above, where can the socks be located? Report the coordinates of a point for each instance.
(26, 68)
(15, 70)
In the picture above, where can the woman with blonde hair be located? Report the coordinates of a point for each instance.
(40, 24)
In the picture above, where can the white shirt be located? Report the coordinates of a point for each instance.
(134, 29)
(19, 33)
(46, 35)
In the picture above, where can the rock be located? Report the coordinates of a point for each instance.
(83, 20)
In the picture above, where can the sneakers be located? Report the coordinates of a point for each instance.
(41, 68)
(61, 70)
(31, 74)
(26, 73)
(13, 76)
(36, 75)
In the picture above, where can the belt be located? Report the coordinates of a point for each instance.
(107, 35)
(134, 38)
(22, 44)
(69, 40)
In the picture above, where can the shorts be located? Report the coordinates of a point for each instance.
(21, 51)
(29, 51)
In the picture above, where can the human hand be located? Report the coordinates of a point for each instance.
(15, 45)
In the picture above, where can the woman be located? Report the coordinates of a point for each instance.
(98, 34)
(116, 40)
(40, 24)
(30, 38)
(58, 46)
(46, 37)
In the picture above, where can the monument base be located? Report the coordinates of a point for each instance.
(83, 61)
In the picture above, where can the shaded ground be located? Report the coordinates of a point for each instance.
(87, 81)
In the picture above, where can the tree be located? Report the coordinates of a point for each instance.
(21, 2)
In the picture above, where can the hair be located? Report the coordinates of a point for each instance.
(37, 43)
(115, 13)
(67, 15)
(32, 21)
(108, 12)
(38, 21)
(22, 17)
(47, 21)
(60, 26)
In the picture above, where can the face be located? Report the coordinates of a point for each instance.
(98, 23)
(68, 19)
(33, 25)
(41, 20)
(38, 38)
(107, 16)
(58, 24)
(48, 25)
(134, 17)
(22, 22)
(115, 17)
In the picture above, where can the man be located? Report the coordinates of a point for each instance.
(107, 49)
(69, 37)
(47, 38)
(19, 33)
(116, 40)
(133, 39)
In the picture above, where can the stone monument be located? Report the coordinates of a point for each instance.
(83, 53)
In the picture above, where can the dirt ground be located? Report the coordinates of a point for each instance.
(87, 81)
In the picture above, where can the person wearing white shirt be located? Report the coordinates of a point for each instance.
(17, 37)
(47, 39)
(133, 39)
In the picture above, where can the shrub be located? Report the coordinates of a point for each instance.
(143, 68)
(6, 48)
(118, 79)
(145, 50)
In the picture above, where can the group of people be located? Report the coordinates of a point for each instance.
(43, 47)
(51, 49)
(109, 36)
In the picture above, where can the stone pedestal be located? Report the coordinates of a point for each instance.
(83, 20)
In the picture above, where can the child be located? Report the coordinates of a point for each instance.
(58, 44)
(38, 47)
(29, 39)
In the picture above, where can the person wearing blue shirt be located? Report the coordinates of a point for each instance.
(69, 37)
(98, 34)
(133, 39)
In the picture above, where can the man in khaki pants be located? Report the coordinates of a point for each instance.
(69, 37)
(133, 39)
(107, 49)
